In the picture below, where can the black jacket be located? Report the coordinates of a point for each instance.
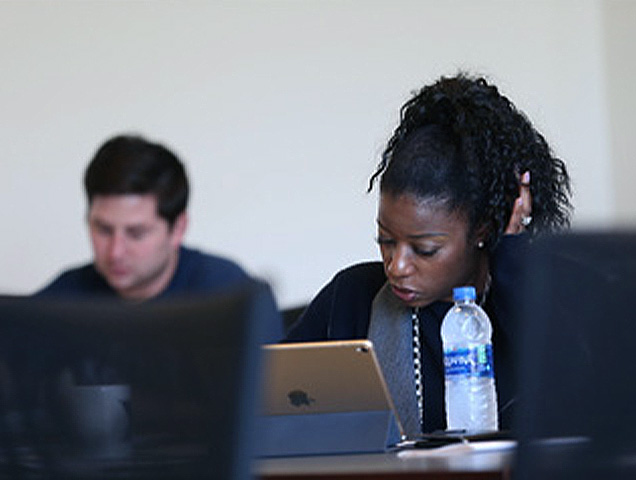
(342, 311)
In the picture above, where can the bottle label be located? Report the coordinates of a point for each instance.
(470, 362)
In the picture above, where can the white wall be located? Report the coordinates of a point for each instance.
(279, 108)
(620, 62)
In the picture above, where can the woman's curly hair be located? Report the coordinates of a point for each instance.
(462, 143)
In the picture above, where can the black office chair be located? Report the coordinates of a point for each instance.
(290, 315)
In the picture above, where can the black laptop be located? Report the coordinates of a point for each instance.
(192, 368)
(577, 411)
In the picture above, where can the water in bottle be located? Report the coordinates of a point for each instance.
(471, 398)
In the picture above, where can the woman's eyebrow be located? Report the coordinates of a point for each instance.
(417, 236)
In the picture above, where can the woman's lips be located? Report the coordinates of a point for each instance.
(404, 294)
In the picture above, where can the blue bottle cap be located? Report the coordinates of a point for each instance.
(464, 293)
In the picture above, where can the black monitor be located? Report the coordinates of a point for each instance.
(187, 373)
(577, 412)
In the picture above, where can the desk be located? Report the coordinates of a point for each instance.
(384, 466)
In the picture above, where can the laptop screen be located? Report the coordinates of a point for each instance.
(326, 397)
(302, 378)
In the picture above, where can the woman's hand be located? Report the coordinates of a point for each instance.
(522, 208)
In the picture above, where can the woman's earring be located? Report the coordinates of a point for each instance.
(480, 244)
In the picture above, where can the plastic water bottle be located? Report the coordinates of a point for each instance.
(471, 398)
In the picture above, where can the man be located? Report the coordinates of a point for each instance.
(137, 194)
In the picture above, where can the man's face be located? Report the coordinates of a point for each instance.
(134, 249)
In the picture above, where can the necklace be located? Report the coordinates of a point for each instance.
(417, 364)
(484, 295)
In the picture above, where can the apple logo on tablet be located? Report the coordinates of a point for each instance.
(298, 398)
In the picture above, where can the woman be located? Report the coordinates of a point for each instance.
(465, 181)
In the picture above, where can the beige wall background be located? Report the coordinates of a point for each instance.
(280, 109)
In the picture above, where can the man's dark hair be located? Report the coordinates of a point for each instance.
(128, 164)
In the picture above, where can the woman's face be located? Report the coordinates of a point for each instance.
(426, 250)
